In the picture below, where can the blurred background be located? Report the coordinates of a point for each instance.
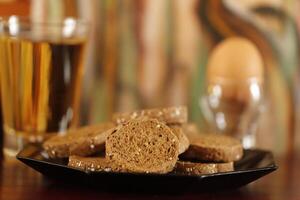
(151, 53)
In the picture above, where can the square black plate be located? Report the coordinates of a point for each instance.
(253, 165)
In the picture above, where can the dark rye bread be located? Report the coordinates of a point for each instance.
(143, 146)
(189, 168)
(182, 138)
(191, 131)
(83, 141)
(93, 164)
(225, 167)
(169, 115)
(214, 148)
(192, 168)
(96, 164)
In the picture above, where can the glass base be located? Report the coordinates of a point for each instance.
(14, 141)
(9, 152)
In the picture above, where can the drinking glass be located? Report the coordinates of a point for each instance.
(41, 70)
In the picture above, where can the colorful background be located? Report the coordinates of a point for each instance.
(149, 53)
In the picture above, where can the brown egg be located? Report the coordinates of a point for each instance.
(234, 64)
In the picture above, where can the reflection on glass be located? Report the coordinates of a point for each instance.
(237, 117)
(41, 69)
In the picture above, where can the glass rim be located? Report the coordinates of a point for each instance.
(53, 23)
(228, 81)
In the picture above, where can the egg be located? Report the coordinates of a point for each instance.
(236, 66)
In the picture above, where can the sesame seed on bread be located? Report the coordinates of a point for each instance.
(182, 138)
(197, 168)
(169, 115)
(83, 141)
(93, 164)
(214, 148)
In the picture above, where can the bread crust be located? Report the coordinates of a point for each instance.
(191, 131)
(98, 164)
(93, 164)
(214, 148)
(83, 141)
(189, 168)
(169, 115)
(197, 168)
(225, 167)
(184, 142)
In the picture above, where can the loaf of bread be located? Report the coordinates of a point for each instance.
(214, 148)
(93, 164)
(196, 168)
(83, 141)
(182, 138)
(170, 115)
(143, 146)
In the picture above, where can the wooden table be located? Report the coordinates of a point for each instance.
(18, 181)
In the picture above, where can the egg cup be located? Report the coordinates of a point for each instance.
(233, 108)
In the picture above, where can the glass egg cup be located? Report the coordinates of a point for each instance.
(233, 108)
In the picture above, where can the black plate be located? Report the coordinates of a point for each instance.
(253, 165)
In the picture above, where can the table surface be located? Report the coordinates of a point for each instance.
(18, 181)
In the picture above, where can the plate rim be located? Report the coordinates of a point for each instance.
(270, 168)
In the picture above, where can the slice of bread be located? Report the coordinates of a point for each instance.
(96, 164)
(214, 148)
(225, 167)
(182, 138)
(192, 168)
(93, 164)
(143, 146)
(83, 141)
(191, 131)
(170, 115)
